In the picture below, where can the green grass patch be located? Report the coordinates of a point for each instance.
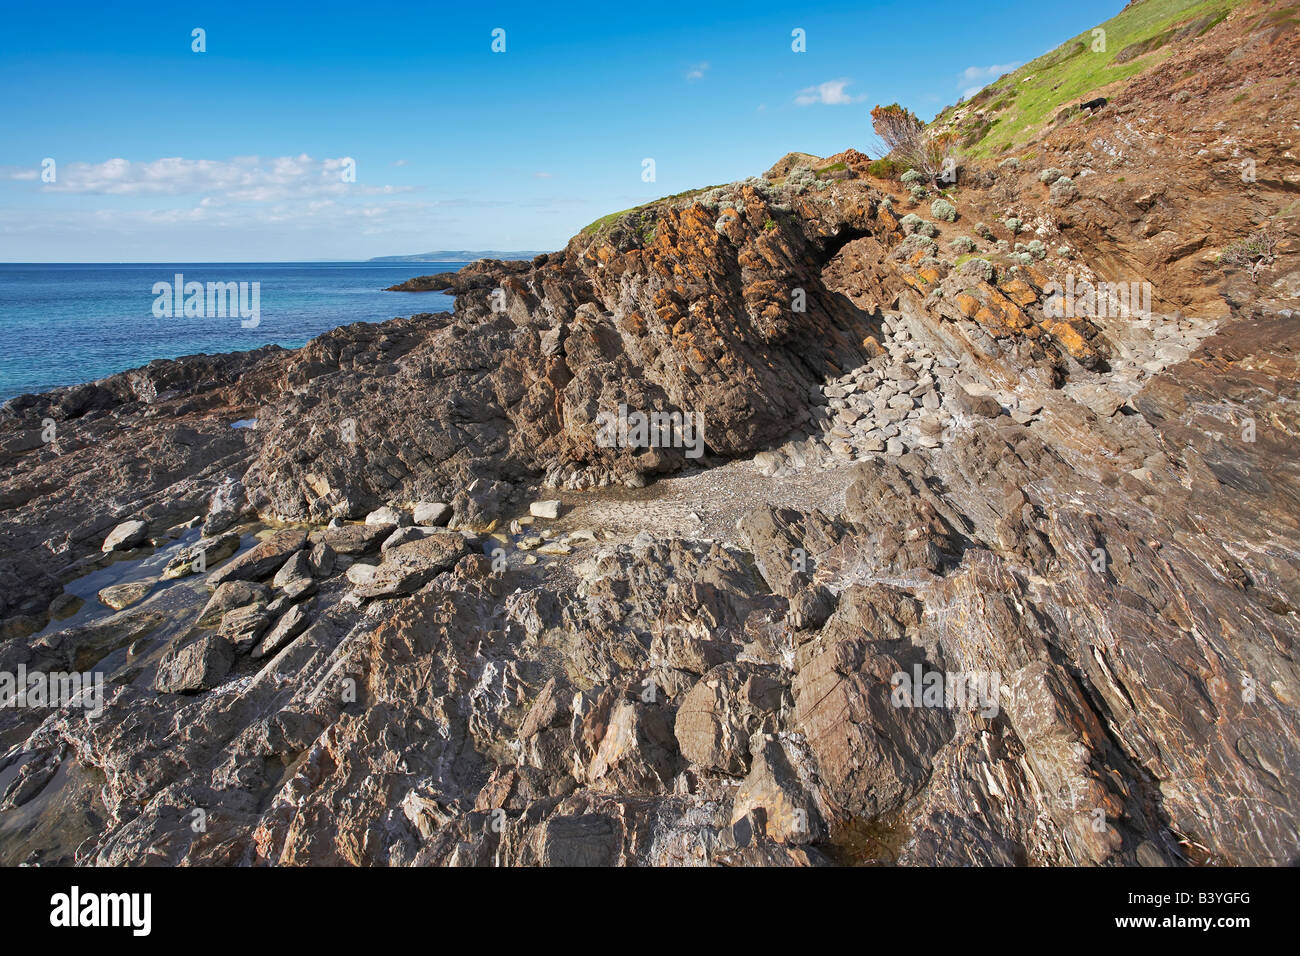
(1035, 94)
(606, 221)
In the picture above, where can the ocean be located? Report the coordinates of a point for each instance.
(64, 324)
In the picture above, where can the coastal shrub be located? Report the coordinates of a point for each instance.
(983, 231)
(916, 243)
(910, 142)
(800, 178)
(1009, 163)
(912, 223)
(912, 176)
(942, 209)
(918, 193)
(1050, 175)
(1063, 191)
(962, 244)
(1014, 224)
(935, 263)
(884, 168)
(978, 268)
(1036, 249)
(1257, 250)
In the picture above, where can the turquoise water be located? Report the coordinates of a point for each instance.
(63, 324)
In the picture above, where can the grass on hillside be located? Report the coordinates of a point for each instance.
(1022, 103)
(613, 217)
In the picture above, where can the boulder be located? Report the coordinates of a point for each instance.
(262, 560)
(200, 556)
(197, 666)
(126, 536)
(232, 594)
(545, 509)
(243, 626)
(119, 596)
(431, 514)
(408, 567)
(727, 705)
(292, 623)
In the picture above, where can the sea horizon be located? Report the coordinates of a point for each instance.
(112, 312)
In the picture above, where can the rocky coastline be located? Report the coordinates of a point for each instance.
(388, 599)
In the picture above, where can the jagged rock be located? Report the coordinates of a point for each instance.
(722, 710)
(198, 666)
(408, 567)
(431, 514)
(773, 789)
(323, 559)
(201, 555)
(126, 536)
(119, 596)
(225, 508)
(244, 626)
(638, 753)
(261, 560)
(560, 711)
(290, 624)
(230, 595)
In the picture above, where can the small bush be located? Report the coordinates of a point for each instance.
(918, 193)
(983, 231)
(916, 243)
(942, 209)
(883, 169)
(1257, 250)
(914, 224)
(1014, 225)
(962, 244)
(1063, 191)
(979, 268)
(1050, 175)
(912, 176)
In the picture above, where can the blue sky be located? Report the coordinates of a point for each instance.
(239, 153)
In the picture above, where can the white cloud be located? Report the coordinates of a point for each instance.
(241, 179)
(830, 93)
(697, 71)
(975, 78)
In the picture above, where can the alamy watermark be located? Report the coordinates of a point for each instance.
(1099, 300)
(216, 300)
(639, 429)
(22, 688)
(951, 690)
